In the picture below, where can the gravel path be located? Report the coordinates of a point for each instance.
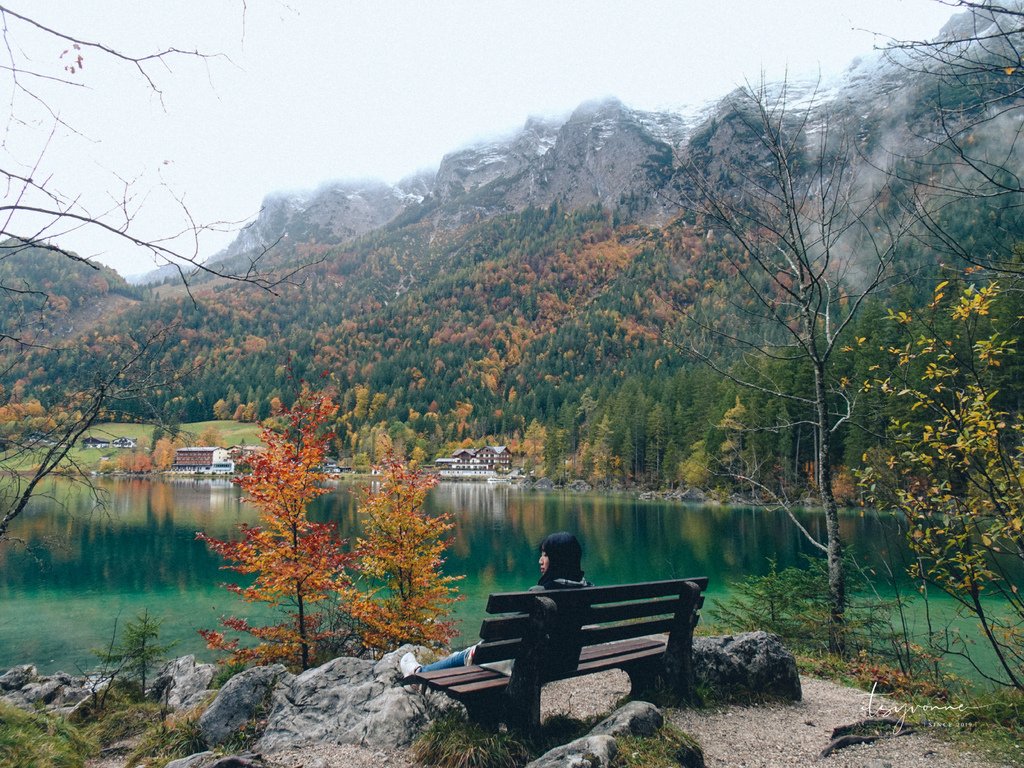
(795, 734)
(763, 736)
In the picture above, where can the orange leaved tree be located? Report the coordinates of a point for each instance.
(402, 592)
(297, 563)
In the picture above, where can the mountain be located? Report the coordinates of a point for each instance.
(334, 213)
(604, 153)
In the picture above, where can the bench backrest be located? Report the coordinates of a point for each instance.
(585, 617)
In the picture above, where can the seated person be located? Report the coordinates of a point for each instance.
(560, 555)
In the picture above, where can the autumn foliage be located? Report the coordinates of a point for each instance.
(388, 591)
(956, 470)
(401, 590)
(298, 564)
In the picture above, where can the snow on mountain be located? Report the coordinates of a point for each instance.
(603, 153)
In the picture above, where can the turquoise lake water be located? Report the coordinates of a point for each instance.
(86, 566)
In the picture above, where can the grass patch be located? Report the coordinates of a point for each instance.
(37, 740)
(867, 673)
(989, 722)
(89, 459)
(124, 722)
(453, 742)
(668, 748)
(561, 729)
(111, 430)
(233, 432)
(41, 740)
(176, 737)
(225, 672)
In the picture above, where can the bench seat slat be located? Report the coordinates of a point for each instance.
(614, 662)
(593, 652)
(446, 677)
(487, 653)
(483, 686)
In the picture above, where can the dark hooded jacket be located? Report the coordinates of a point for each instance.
(564, 570)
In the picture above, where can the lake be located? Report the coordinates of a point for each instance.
(86, 566)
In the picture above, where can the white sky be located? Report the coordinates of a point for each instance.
(310, 91)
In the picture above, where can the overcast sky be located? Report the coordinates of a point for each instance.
(309, 91)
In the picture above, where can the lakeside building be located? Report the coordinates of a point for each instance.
(475, 463)
(205, 460)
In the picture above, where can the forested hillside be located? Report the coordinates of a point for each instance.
(47, 296)
(557, 291)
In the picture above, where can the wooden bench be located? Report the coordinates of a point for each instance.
(645, 629)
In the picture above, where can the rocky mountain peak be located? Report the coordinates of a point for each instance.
(603, 153)
(476, 166)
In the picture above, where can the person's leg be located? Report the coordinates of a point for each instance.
(457, 659)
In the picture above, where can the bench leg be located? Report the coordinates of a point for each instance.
(679, 653)
(523, 697)
(642, 679)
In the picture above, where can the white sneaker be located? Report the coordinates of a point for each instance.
(408, 665)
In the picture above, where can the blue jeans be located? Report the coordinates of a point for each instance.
(457, 659)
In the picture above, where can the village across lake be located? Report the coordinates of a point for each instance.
(87, 566)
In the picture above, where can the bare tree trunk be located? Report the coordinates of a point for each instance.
(836, 571)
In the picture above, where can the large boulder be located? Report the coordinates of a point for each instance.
(350, 701)
(752, 663)
(182, 684)
(598, 748)
(244, 697)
